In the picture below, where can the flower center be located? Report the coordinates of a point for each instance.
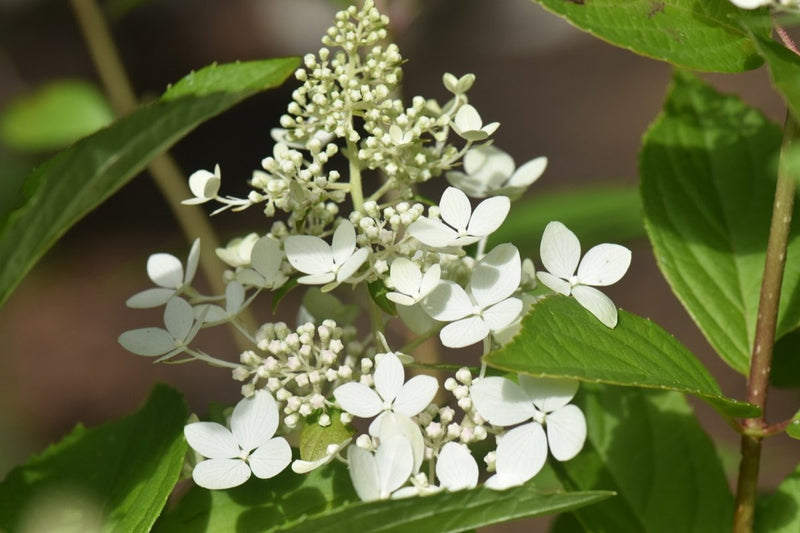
(539, 417)
(574, 281)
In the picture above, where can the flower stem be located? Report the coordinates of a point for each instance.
(761, 359)
(356, 191)
(165, 172)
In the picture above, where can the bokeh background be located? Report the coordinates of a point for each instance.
(556, 92)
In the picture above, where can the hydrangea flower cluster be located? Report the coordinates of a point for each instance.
(426, 268)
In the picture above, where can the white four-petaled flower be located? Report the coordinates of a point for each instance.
(468, 124)
(489, 170)
(487, 307)
(603, 265)
(459, 224)
(265, 265)
(166, 271)
(522, 451)
(410, 284)
(326, 263)
(181, 328)
(376, 477)
(204, 185)
(249, 446)
(393, 394)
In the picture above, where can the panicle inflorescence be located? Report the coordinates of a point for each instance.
(425, 268)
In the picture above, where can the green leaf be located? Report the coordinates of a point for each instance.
(315, 439)
(54, 116)
(120, 473)
(324, 501)
(784, 69)
(708, 186)
(609, 213)
(785, 371)
(75, 181)
(559, 338)
(793, 429)
(780, 512)
(649, 448)
(378, 291)
(697, 35)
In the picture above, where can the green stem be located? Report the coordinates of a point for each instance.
(356, 190)
(761, 359)
(165, 172)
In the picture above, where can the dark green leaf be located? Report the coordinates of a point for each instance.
(559, 338)
(72, 183)
(324, 501)
(54, 116)
(119, 474)
(780, 512)
(700, 35)
(785, 371)
(649, 448)
(708, 186)
(281, 293)
(378, 291)
(610, 213)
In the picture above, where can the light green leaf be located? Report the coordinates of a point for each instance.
(315, 439)
(708, 186)
(608, 213)
(780, 512)
(559, 338)
(324, 501)
(793, 429)
(120, 474)
(649, 448)
(66, 187)
(54, 116)
(700, 35)
(784, 69)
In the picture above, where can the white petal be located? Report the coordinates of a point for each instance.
(318, 279)
(416, 318)
(522, 452)
(352, 264)
(204, 184)
(464, 332)
(147, 341)
(344, 242)
(358, 399)
(489, 215)
(266, 257)
(150, 298)
(489, 164)
(165, 270)
(254, 420)
(467, 119)
(548, 394)
(456, 469)
(432, 232)
(502, 314)
(447, 302)
(496, 276)
(217, 474)
(490, 128)
(271, 458)
(178, 318)
(415, 395)
(393, 424)
(310, 255)
(400, 299)
(430, 280)
(596, 303)
(406, 276)
(604, 264)
(500, 401)
(364, 473)
(566, 432)
(471, 185)
(528, 173)
(498, 482)
(559, 250)
(210, 313)
(211, 440)
(554, 283)
(234, 298)
(191, 262)
(389, 376)
(455, 209)
(395, 461)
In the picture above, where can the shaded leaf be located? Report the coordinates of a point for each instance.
(54, 116)
(708, 186)
(72, 183)
(315, 439)
(785, 371)
(780, 512)
(700, 35)
(559, 338)
(649, 448)
(122, 471)
(378, 291)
